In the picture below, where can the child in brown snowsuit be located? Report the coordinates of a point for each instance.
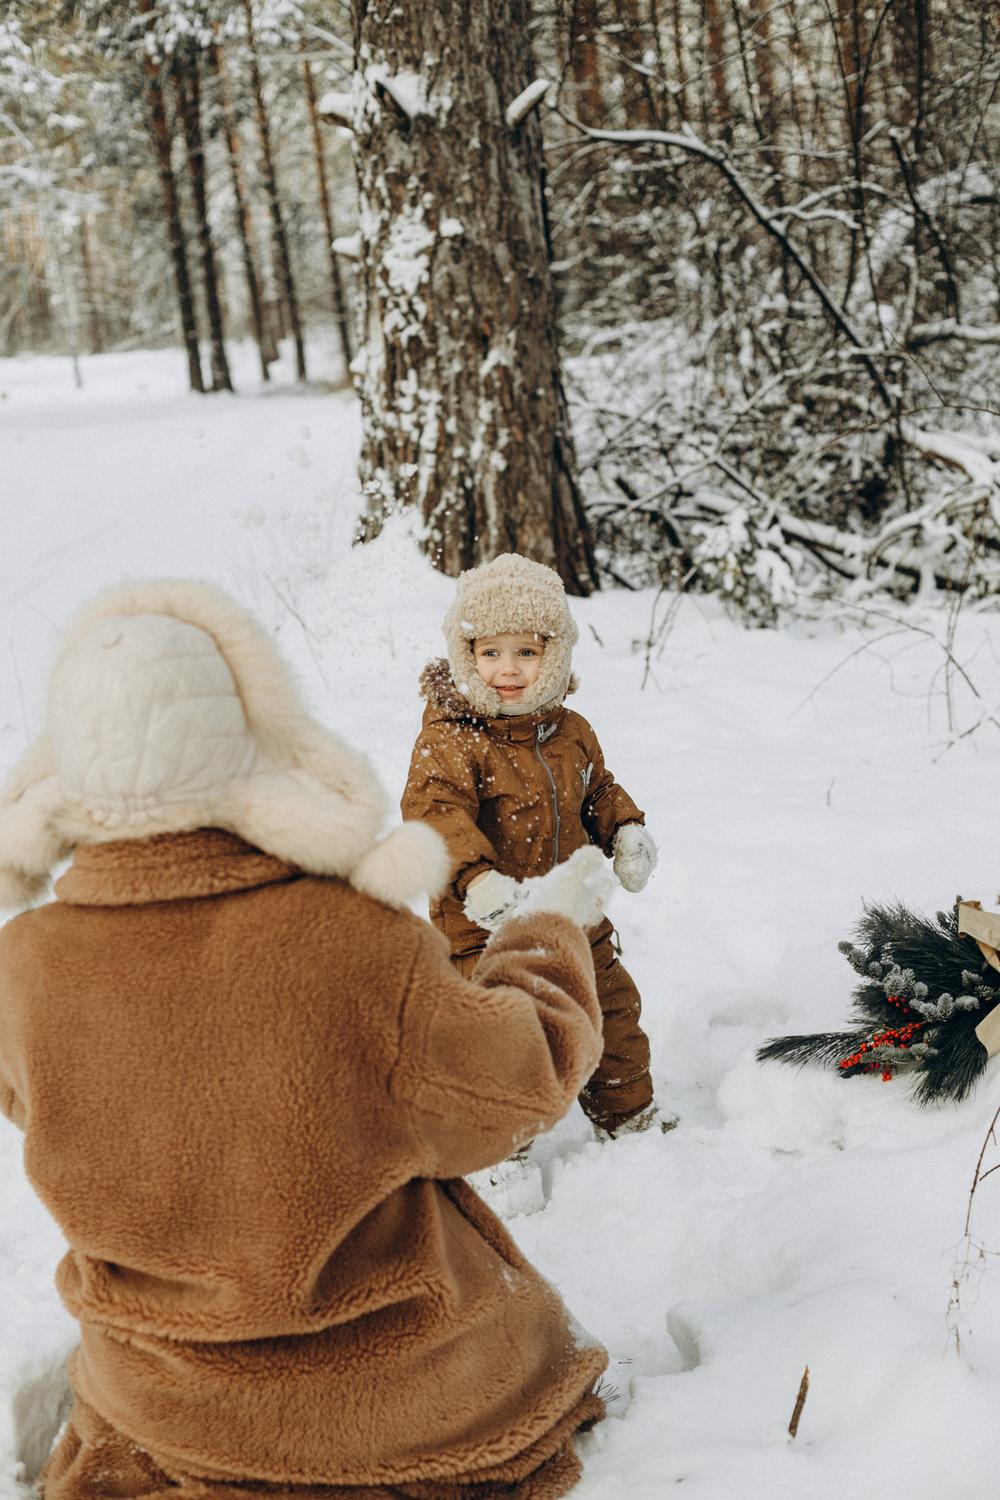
(515, 782)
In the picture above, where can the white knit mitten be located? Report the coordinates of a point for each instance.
(635, 856)
(578, 889)
(491, 899)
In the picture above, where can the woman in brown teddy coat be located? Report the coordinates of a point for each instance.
(250, 1081)
(515, 782)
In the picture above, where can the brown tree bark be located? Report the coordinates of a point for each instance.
(244, 222)
(464, 412)
(281, 255)
(340, 313)
(160, 132)
(910, 28)
(720, 111)
(90, 290)
(187, 86)
(641, 105)
(583, 62)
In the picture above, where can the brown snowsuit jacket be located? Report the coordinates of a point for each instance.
(248, 1097)
(519, 795)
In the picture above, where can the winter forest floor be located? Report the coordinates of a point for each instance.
(791, 1218)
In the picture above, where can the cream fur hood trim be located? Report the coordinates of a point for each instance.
(511, 594)
(170, 709)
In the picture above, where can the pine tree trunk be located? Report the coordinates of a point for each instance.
(336, 283)
(187, 85)
(721, 109)
(640, 102)
(244, 222)
(464, 412)
(589, 99)
(281, 255)
(90, 290)
(680, 57)
(160, 131)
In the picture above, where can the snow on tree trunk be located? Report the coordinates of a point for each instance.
(464, 411)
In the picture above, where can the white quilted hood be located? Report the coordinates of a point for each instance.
(170, 709)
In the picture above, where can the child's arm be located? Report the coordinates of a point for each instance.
(607, 805)
(442, 790)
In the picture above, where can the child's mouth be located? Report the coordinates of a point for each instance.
(510, 691)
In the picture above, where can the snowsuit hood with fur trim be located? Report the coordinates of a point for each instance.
(248, 1095)
(515, 794)
(509, 595)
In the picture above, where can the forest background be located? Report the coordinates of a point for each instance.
(701, 294)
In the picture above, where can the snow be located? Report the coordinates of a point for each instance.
(526, 101)
(791, 1218)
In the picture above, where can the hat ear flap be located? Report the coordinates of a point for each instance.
(31, 845)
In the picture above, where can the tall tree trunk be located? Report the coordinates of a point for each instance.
(911, 54)
(160, 132)
(187, 85)
(680, 57)
(281, 255)
(244, 223)
(641, 109)
(90, 289)
(721, 108)
(583, 62)
(464, 412)
(336, 283)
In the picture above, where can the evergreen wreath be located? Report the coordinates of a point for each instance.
(924, 989)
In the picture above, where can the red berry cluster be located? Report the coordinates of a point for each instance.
(893, 1036)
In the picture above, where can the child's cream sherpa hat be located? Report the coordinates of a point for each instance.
(170, 709)
(511, 595)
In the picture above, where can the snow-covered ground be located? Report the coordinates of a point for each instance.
(791, 1218)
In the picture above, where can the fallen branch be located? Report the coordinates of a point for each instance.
(800, 1402)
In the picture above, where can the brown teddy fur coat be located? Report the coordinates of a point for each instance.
(248, 1098)
(517, 793)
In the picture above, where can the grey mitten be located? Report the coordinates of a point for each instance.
(634, 856)
(491, 899)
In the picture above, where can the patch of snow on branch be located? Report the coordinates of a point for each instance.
(526, 101)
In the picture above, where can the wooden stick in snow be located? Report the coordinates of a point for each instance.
(800, 1402)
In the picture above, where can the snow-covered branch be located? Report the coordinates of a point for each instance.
(527, 100)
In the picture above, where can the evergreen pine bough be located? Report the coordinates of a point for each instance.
(923, 991)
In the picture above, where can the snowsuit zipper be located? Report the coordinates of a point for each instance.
(555, 795)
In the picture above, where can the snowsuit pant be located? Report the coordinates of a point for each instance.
(94, 1461)
(621, 1085)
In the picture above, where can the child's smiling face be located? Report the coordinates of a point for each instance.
(509, 663)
